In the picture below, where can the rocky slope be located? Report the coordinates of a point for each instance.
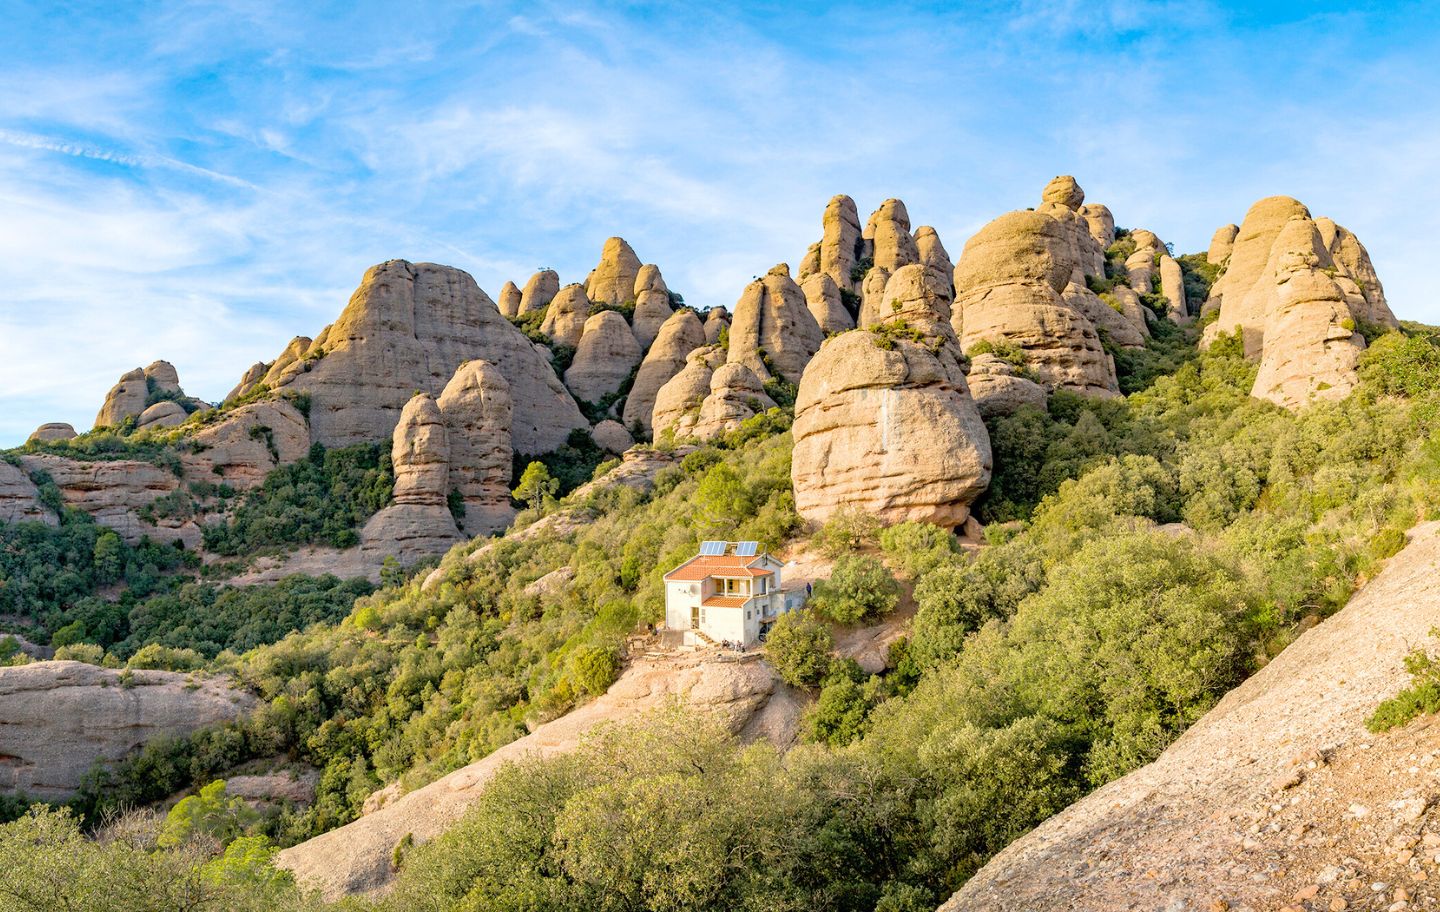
(1278, 798)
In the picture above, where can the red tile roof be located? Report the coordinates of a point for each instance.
(708, 565)
(725, 601)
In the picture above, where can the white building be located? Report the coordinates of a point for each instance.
(728, 593)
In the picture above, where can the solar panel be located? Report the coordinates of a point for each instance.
(712, 548)
(747, 549)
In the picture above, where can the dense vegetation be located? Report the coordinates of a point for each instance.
(1145, 555)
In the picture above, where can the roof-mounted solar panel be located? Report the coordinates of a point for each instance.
(747, 549)
(712, 548)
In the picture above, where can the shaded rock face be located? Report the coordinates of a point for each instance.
(113, 492)
(773, 317)
(872, 297)
(822, 296)
(1248, 256)
(1119, 314)
(58, 718)
(20, 498)
(1221, 243)
(408, 327)
(678, 337)
(605, 358)
(565, 318)
(248, 444)
(652, 305)
(1352, 261)
(126, 399)
(891, 432)
(613, 281)
(476, 408)
(998, 389)
(418, 523)
(677, 404)
(509, 300)
(53, 430)
(164, 377)
(612, 437)
(1009, 287)
(539, 291)
(736, 395)
(1140, 265)
(717, 320)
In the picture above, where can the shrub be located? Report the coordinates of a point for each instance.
(594, 669)
(859, 589)
(917, 547)
(1422, 697)
(1387, 543)
(799, 647)
(848, 529)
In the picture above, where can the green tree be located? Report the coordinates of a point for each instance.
(210, 813)
(537, 486)
(859, 589)
(799, 647)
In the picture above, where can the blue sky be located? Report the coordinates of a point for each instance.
(201, 181)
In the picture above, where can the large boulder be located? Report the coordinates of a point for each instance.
(652, 305)
(612, 437)
(408, 327)
(605, 359)
(822, 296)
(509, 300)
(914, 298)
(476, 408)
(717, 321)
(418, 523)
(840, 241)
(999, 388)
(1100, 223)
(888, 427)
(162, 376)
(1172, 286)
(1142, 265)
(125, 400)
(893, 245)
(677, 403)
(565, 318)
(613, 281)
(52, 431)
(1063, 191)
(678, 337)
(539, 291)
(247, 444)
(1222, 242)
(20, 498)
(162, 414)
(59, 718)
(736, 395)
(773, 318)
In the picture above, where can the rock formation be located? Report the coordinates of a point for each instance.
(113, 492)
(652, 305)
(822, 296)
(58, 718)
(772, 317)
(872, 297)
(565, 318)
(1118, 313)
(893, 245)
(251, 379)
(612, 437)
(913, 299)
(408, 327)
(998, 388)
(126, 399)
(162, 376)
(839, 242)
(1172, 286)
(289, 363)
(162, 414)
(20, 498)
(1141, 265)
(887, 427)
(1221, 243)
(605, 358)
(418, 523)
(937, 261)
(736, 395)
(539, 291)
(613, 281)
(717, 321)
(681, 334)
(677, 403)
(476, 408)
(1248, 256)
(509, 300)
(1100, 222)
(1061, 200)
(248, 444)
(51, 431)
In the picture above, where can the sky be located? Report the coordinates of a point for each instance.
(200, 182)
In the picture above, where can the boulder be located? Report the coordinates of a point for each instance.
(52, 431)
(1100, 223)
(809, 263)
(736, 395)
(125, 400)
(476, 408)
(612, 437)
(418, 523)
(247, 444)
(822, 296)
(509, 300)
(613, 281)
(1221, 243)
(251, 379)
(1118, 313)
(999, 387)
(1063, 191)
(894, 247)
(678, 401)
(20, 498)
(912, 299)
(717, 320)
(937, 261)
(1172, 286)
(162, 414)
(772, 317)
(872, 297)
(606, 357)
(565, 318)
(681, 334)
(162, 376)
(59, 718)
(839, 242)
(539, 291)
(1248, 257)
(113, 492)
(889, 430)
(652, 305)
(408, 327)
(289, 363)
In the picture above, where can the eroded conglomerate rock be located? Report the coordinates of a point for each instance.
(1100, 222)
(1061, 200)
(509, 300)
(565, 318)
(677, 404)
(162, 414)
(613, 281)
(916, 299)
(113, 492)
(20, 498)
(51, 431)
(888, 427)
(290, 362)
(59, 718)
(1118, 313)
(936, 260)
(249, 380)
(1141, 265)
(1009, 287)
(1248, 256)
(476, 408)
(839, 242)
(678, 337)
(605, 358)
(736, 395)
(248, 444)
(893, 245)
(822, 296)
(539, 291)
(1172, 286)
(773, 324)
(999, 388)
(163, 377)
(408, 327)
(126, 399)
(1221, 243)
(611, 436)
(717, 321)
(872, 297)
(652, 305)
(418, 522)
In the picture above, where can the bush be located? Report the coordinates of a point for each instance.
(594, 669)
(917, 547)
(849, 529)
(799, 647)
(859, 589)
(1422, 697)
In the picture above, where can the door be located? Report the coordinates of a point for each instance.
(695, 617)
